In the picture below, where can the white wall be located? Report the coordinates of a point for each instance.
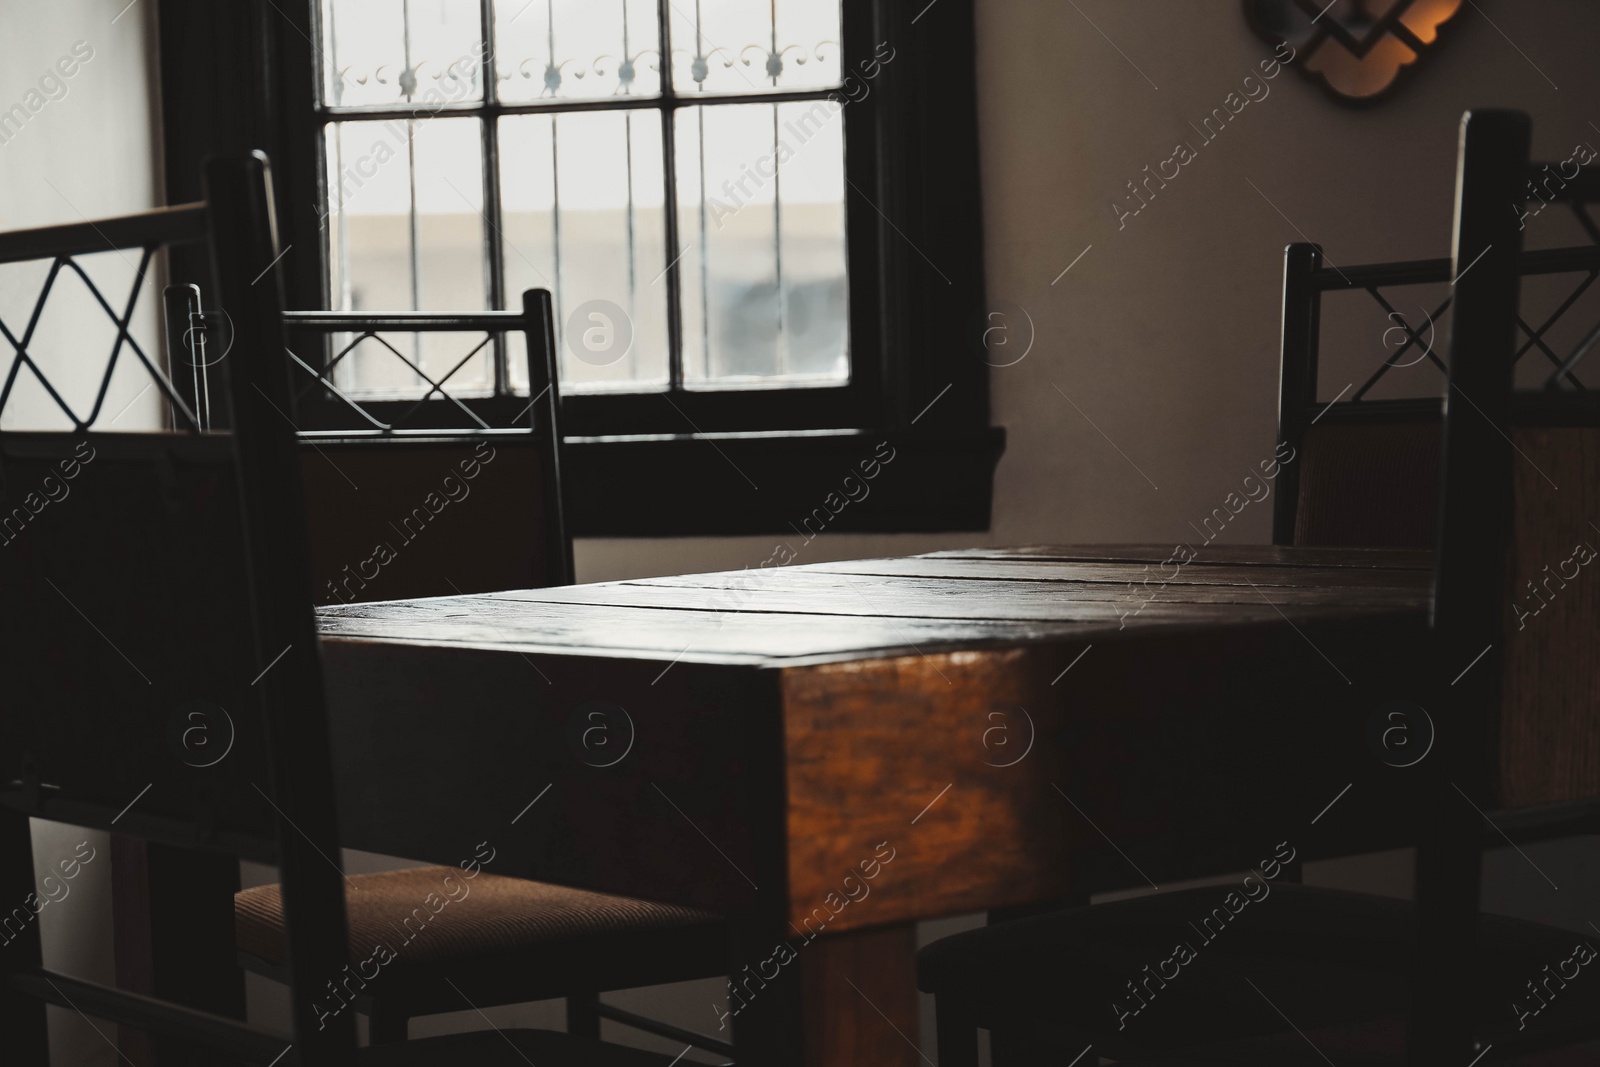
(87, 147)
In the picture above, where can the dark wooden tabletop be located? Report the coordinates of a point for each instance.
(944, 601)
(771, 731)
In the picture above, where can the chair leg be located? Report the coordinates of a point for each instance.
(385, 1025)
(958, 1035)
(583, 1015)
(22, 1018)
(1008, 1049)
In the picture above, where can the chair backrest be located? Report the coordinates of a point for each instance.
(432, 515)
(1470, 561)
(1366, 470)
(162, 672)
(388, 506)
(1367, 473)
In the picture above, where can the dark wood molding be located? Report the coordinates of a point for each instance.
(728, 484)
(933, 264)
(230, 74)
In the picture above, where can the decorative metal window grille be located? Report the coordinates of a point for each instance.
(687, 216)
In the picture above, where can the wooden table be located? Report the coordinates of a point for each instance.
(830, 753)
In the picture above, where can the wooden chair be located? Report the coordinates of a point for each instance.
(163, 676)
(373, 483)
(1366, 979)
(399, 513)
(374, 486)
(1366, 472)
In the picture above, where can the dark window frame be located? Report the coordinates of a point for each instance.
(244, 75)
(644, 411)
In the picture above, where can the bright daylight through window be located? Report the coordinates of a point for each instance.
(691, 227)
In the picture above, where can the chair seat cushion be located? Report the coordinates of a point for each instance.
(426, 915)
(508, 1048)
(1210, 968)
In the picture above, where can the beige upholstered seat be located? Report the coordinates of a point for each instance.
(507, 1048)
(497, 940)
(420, 917)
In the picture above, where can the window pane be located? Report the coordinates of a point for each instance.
(569, 49)
(406, 233)
(740, 46)
(761, 215)
(389, 52)
(581, 200)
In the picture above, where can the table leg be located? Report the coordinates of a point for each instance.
(132, 935)
(859, 999)
(174, 939)
(840, 999)
(1008, 1050)
(22, 1018)
(764, 999)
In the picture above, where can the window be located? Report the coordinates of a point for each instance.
(687, 213)
(687, 216)
(764, 248)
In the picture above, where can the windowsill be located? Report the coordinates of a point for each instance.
(755, 483)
